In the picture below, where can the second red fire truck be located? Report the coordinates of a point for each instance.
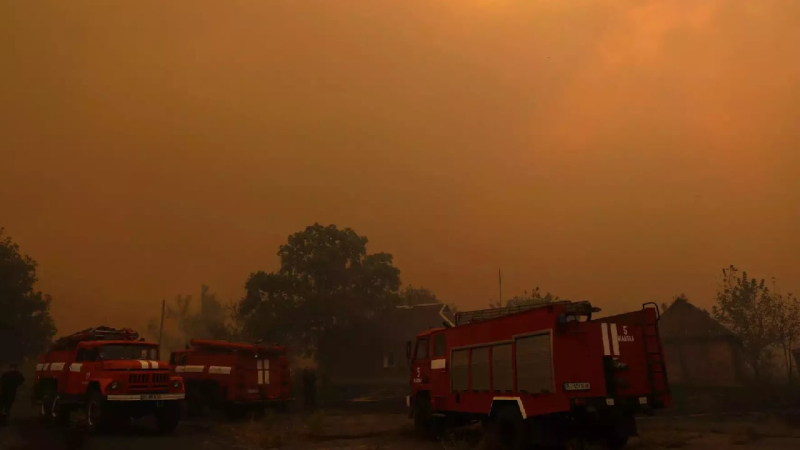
(234, 377)
(547, 374)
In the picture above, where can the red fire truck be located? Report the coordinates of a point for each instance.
(111, 372)
(545, 374)
(235, 377)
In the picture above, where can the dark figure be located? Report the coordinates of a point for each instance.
(309, 389)
(9, 382)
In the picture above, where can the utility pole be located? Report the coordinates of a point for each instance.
(161, 327)
(500, 286)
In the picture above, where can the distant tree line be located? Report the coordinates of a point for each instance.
(329, 289)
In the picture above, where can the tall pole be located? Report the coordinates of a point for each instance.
(161, 327)
(500, 286)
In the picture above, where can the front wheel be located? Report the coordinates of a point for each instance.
(616, 442)
(167, 417)
(96, 412)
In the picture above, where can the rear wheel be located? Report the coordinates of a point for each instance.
(46, 408)
(506, 430)
(58, 411)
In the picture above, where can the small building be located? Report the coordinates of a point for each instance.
(378, 357)
(700, 351)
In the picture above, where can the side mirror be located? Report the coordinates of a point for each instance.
(408, 350)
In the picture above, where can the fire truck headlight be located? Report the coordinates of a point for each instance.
(620, 365)
(113, 386)
(176, 384)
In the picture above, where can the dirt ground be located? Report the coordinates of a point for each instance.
(339, 429)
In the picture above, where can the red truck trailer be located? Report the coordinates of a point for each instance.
(232, 376)
(546, 374)
(112, 373)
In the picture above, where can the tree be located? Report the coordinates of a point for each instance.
(26, 327)
(327, 287)
(747, 307)
(411, 296)
(786, 323)
(535, 297)
(181, 324)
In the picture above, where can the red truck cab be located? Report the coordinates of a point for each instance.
(235, 377)
(546, 374)
(112, 373)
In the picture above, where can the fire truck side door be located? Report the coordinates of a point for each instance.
(76, 378)
(440, 373)
(421, 367)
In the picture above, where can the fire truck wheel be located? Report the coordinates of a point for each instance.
(96, 414)
(45, 409)
(616, 442)
(168, 416)
(59, 412)
(423, 417)
(507, 430)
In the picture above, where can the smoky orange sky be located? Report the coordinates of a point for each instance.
(619, 151)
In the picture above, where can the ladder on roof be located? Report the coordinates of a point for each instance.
(482, 315)
(654, 353)
(98, 334)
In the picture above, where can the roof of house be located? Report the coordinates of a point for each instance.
(682, 320)
(408, 321)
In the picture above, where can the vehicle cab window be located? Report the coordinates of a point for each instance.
(438, 346)
(422, 349)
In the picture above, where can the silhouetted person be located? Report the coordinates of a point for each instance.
(9, 383)
(309, 389)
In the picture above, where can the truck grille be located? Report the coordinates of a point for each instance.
(148, 381)
(138, 378)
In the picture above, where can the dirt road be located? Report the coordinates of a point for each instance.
(372, 431)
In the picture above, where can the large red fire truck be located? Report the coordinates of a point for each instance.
(111, 372)
(235, 377)
(544, 374)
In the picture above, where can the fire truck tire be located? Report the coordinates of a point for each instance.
(45, 409)
(616, 442)
(168, 417)
(425, 424)
(58, 412)
(507, 430)
(97, 417)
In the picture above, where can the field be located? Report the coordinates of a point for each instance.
(347, 429)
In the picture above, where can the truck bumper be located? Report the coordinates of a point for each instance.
(145, 397)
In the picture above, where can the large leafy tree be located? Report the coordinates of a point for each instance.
(26, 327)
(326, 289)
(748, 308)
(412, 296)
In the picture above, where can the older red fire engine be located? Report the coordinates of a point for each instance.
(233, 376)
(111, 372)
(547, 374)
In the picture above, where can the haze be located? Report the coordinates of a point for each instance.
(617, 151)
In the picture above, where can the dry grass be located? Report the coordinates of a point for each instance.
(744, 435)
(663, 439)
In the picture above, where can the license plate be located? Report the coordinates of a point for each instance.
(151, 397)
(577, 386)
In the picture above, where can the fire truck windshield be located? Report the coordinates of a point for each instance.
(122, 351)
